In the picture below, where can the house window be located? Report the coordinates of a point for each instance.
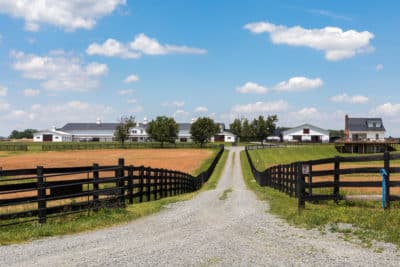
(134, 131)
(37, 137)
(306, 131)
(56, 137)
(374, 124)
(377, 136)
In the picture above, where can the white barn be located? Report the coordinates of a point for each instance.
(52, 135)
(306, 133)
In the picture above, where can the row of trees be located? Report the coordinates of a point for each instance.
(27, 133)
(257, 130)
(164, 129)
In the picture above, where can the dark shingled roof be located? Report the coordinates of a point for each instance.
(361, 124)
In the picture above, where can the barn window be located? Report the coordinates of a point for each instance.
(37, 137)
(56, 137)
(306, 131)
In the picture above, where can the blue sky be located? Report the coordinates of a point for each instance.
(306, 61)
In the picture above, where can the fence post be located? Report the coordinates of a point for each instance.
(155, 183)
(41, 194)
(386, 159)
(163, 184)
(95, 187)
(291, 180)
(300, 187)
(336, 179)
(310, 178)
(148, 183)
(121, 182)
(130, 184)
(280, 178)
(141, 183)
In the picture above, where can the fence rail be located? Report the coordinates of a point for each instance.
(298, 179)
(42, 193)
(13, 147)
(99, 145)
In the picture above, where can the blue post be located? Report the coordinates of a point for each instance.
(384, 188)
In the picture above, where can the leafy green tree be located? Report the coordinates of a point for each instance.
(203, 129)
(247, 131)
(264, 127)
(163, 129)
(27, 133)
(236, 128)
(122, 131)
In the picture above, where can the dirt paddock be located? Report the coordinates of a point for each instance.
(185, 160)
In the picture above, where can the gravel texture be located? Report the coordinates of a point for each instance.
(204, 231)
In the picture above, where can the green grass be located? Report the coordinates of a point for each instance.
(224, 194)
(104, 218)
(369, 221)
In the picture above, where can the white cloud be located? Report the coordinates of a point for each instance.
(261, 107)
(141, 44)
(336, 43)
(328, 14)
(201, 109)
(181, 114)
(137, 109)
(112, 48)
(387, 109)
(4, 105)
(174, 104)
(132, 101)
(126, 92)
(59, 71)
(131, 78)
(3, 91)
(298, 84)
(68, 15)
(151, 46)
(31, 92)
(252, 88)
(96, 69)
(379, 67)
(345, 98)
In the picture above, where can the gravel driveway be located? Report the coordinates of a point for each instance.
(204, 231)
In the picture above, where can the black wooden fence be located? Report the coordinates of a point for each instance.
(129, 145)
(298, 179)
(13, 147)
(42, 193)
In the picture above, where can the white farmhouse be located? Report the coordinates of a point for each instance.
(306, 133)
(364, 129)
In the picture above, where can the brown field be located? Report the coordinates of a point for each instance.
(185, 160)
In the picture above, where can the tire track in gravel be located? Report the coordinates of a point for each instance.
(204, 231)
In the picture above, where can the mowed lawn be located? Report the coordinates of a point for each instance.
(265, 158)
(185, 160)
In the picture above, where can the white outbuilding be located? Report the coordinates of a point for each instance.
(306, 133)
(52, 135)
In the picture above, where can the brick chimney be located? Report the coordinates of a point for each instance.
(346, 128)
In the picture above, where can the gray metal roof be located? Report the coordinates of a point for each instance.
(81, 126)
(88, 127)
(361, 124)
